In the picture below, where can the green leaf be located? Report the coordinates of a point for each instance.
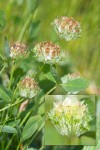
(40, 95)
(7, 48)
(30, 127)
(49, 76)
(5, 94)
(76, 85)
(7, 129)
(55, 74)
(46, 68)
(41, 109)
(2, 20)
(32, 5)
(13, 123)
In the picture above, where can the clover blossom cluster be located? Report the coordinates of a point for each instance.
(70, 117)
(47, 52)
(67, 28)
(28, 88)
(17, 50)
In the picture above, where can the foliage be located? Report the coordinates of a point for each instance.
(29, 22)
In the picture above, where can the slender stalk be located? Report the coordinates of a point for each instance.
(11, 76)
(3, 69)
(25, 118)
(24, 27)
(14, 92)
(74, 141)
(37, 75)
(42, 147)
(2, 116)
(51, 90)
(2, 57)
(5, 119)
(18, 146)
(17, 102)
(9, 143)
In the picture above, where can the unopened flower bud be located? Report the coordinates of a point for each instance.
(28, 88)
(67, 28)
(17, 50)
(47, 52)
(70, 117)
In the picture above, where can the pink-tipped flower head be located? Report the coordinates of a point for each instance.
(28, 88)
(47, 52)
(17, 50)
(67, 28)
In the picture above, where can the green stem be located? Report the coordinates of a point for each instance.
(2, 116)
(18, 146)
(11, 76)
(17, 102)
(2, 57)
(39, 71)
(25, 118)
(42, 147)
(51, 90)
(3, 69)
(15, 92)
(24, 28)
(74, 141)
(9, 143)
(5, 119)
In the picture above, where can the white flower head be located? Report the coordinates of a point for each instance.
(67, 28)
(70, 117)
(47, 52)
(28, 88)
(17, 50)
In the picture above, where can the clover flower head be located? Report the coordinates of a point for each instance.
(67, 28)
(70, 117)
(28, 88)
(17, 50)
(47, 52)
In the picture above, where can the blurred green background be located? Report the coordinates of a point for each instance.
(30, 21)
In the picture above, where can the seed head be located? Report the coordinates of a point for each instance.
(70, 117)
(67, 28)
(28, 88)
(17, 50)
(47, 52)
